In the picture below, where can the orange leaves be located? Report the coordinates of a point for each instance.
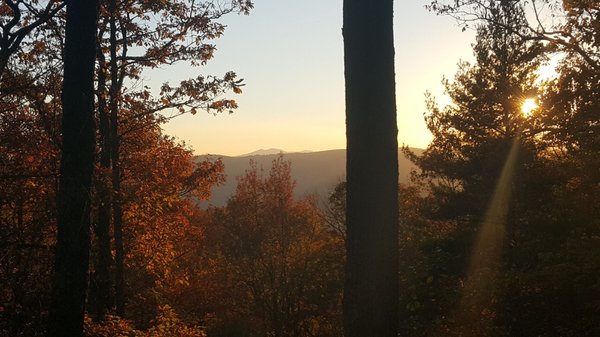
(225, 104)
(205, 175)
(28, 165)
(113, 326)
(166, 324)
(279, 251)
(161, 186)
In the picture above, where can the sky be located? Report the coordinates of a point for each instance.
(290, 55)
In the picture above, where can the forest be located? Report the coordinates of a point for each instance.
(498, 228)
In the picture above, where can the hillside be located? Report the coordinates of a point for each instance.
(314, 172)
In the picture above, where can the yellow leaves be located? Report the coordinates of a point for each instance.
(114, 326)
(183, 281)
(166, 324)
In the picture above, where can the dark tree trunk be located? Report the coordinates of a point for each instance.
(102, 270)
(77, 162)
(3, 61)
(115, 89)
(371, 284)
(118, 228)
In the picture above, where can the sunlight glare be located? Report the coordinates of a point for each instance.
(528, 106)
(548, 71)
(486, 257)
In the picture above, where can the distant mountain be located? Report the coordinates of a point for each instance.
(314, 172)
(262, 152)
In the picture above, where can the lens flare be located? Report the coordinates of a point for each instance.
(475, 312)
(528, 106)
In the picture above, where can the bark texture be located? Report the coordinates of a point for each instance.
(371, 284)
(77, 162)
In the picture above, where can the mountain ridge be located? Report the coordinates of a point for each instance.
(263, 152)
(315, 173)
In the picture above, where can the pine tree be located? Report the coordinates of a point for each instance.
(473, 134)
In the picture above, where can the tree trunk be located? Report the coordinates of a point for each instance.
(118, 229)
(371, 284)
(77, 163)
(115, 89)
(102, 270)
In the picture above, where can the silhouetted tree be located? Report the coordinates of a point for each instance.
(19, 20)
(547, 263)
(371, 283)
(29, 160)
(77, 162)
(575, 33)
(472, 135)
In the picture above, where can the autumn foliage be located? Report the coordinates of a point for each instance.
(275, 253)
(269, 264)
(265, 263)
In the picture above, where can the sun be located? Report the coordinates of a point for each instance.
(528, 106)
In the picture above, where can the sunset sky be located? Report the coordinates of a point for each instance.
(290, 55)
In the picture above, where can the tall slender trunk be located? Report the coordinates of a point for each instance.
(371, 284)
(115, 146)
(102, 229)
(118, 225)
(77, 162)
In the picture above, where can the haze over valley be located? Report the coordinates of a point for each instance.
(314, 172)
